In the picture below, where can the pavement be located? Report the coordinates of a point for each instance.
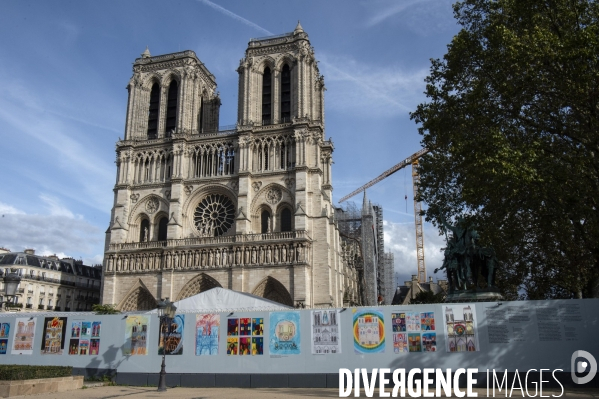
(129, 392)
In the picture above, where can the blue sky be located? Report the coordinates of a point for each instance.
(64, 66)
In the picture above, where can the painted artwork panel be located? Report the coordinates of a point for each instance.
(170, 338)
(461, 333)
(232, 344)
(76, 329)
(207, 330)
(86, 329)
(427, 321)
(245, 326)
(96, 327)
(257, 346)
(400, 342)
(413, 321)
(245, 346)
(74, 346)
(84, 347)
(94, 347)
(398, 322)
(284, 333)
(136, 335)
(257, 326)
(232, 327)
(3, 346)
(4, 330)
(325, 332)
(414, 343)
(54, 334)
(368, 331)
(429, 342)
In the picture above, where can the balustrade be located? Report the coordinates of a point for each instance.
(215, 257)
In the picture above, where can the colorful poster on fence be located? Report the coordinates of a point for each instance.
(136, 335)
(325, 332)
(4, 331)
(429, 342)
(24, 336)
(460, 328)
(244, 336)
(170, 338)
(284, 333)
(76, 329)
(55, 329)
(400, 342)
(368, 331)
(207, 327)
(80, 342)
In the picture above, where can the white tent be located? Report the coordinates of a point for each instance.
(223, 300)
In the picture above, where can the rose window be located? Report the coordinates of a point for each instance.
(214, 215)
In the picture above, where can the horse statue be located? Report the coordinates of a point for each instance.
(465, 261)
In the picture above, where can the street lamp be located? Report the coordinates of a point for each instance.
(166, 314)
(11, 282)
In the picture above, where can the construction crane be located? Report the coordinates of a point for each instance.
(411, 160)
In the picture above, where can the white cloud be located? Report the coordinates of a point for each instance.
(374, 90)
(236, 17)
(400, 239)
(57, 232)
(388, 9)
(423, 17)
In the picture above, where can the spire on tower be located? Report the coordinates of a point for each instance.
(298, 28)
(146, 53)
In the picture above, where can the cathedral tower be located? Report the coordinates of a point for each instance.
(246, 207)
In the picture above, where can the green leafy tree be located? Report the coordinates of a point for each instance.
(511, 121)
(424, 297)
(105, 309)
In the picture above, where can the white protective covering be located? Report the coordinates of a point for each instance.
(223, 300)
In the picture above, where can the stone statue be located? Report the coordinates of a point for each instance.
(145, 234)
(468, 265)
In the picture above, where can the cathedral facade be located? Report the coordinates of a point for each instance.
(247, 207)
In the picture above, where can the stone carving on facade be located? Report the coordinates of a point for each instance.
(134, 197)
(167, 194)
(188, 189)
(256, 185)
(274, 195)
(289, 182)
(152, 205)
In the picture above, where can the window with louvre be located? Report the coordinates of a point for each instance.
(153, 111)
(171, 109)
(286, 94)
(266, 97)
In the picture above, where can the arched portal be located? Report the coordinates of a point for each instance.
(199, 283)
(273, 289)
(138, 299)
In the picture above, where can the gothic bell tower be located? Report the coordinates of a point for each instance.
(247, 207)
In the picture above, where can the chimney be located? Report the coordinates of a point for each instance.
(30, 251)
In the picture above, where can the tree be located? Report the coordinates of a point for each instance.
(425, 297)
(511, 122)
(105, 309)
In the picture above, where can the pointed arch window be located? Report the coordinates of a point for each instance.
(285, 94)
(265, 222)
(171, 107)
(144, 231)
(153, 111)
(162, 229)
(266, 97)
(286, 220)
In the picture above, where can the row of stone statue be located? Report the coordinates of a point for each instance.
(215, 257)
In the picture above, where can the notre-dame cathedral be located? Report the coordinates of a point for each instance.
(249, 207)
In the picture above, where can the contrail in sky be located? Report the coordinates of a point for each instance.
(235, 16)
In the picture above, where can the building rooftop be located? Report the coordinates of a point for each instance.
(66, 265)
